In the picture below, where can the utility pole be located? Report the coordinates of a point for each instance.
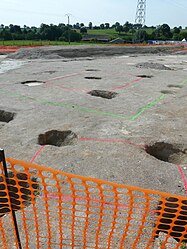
(68, 16)
(141, 12)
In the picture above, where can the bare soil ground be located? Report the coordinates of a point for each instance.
(137, 137)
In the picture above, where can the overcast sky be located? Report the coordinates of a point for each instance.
(35, 12)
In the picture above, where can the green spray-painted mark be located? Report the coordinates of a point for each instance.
(147, 107)
(84, 109)
(182, 83)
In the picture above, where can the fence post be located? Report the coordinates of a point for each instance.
(3, 161)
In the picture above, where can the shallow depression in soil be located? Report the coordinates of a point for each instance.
(57, 138)
(103, 94)
(92, 78)
(32, 83)
(28, 187)
(172, 153)
(6, 116)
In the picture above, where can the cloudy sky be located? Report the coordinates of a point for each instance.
(35, 12)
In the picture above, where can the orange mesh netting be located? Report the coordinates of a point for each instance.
(60, 210)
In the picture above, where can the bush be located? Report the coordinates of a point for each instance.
(74, 36)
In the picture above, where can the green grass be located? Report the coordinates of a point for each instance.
(110, 32)
(31, 43)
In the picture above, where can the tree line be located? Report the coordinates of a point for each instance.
(63, 32)
(60, 32)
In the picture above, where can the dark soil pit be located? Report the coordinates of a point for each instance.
(57, 138)
(32, 82)
(103, 94)
(29, 188)
(6, 116)
(92, 70)
(50, 72)
(166, 92)
(92, 78)
(175, 86)
(145, 76)
(167, 152)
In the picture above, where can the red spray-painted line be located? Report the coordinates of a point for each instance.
(70, 198)
(127, 84)
(97, 140)
(112, 141)
(63, 77)
(183, 177)
(37, 153)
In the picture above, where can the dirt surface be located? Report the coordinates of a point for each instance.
(112, 134)
(142, 113)
(59, 52)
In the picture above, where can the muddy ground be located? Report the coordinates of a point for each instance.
(118, 116)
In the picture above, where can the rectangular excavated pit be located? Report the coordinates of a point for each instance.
(6, 116)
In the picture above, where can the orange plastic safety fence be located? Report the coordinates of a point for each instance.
(58, 210)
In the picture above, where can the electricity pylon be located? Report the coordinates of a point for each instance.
(141, 12)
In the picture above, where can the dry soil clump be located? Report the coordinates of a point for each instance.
(153, 65)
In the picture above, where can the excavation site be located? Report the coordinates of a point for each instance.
(109, 117)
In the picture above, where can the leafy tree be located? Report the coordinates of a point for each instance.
(183, 35)
(77, 25)
(125, 28)
(61, 26)
(119, 29)
(50, 32)
(90, 25)
(140, 36)
(162, 32)
(137, 26)
(6, 35)
(83, 30)
(33, 29)
(74, 36)
(102, 26)
(176, 37)
(117, 24)
(15, 28)
(165, 30)
(96, 27)
(128, 26)
(107, 25)
(132, 31)
(176, 30)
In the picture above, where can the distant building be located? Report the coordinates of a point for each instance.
(159, 42)
(118, 41)
(99, 38)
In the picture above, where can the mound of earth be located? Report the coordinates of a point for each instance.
(153, 65)
(59, 52)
